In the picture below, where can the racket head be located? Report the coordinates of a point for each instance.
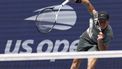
(45, 20)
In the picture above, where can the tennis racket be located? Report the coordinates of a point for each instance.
(47, 18)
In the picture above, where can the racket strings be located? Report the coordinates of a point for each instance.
(45, 20)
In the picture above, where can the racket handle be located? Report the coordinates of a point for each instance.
(75, 1)
(65, 2)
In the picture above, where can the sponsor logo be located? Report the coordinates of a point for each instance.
(66, 17)
(29, 46)
(66, 20)
(33, 46)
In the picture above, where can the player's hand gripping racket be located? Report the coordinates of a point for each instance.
(47, 18)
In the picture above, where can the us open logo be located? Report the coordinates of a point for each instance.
(66, 18)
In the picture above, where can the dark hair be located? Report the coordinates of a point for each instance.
(103, 15)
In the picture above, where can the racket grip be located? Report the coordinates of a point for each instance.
(65, 2)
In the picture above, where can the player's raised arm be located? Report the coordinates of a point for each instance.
(89, 6)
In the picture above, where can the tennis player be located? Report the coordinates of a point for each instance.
(96, 37)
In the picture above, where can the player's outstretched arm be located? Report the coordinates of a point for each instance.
(89, 6)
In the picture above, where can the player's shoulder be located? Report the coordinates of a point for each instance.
(110, 28)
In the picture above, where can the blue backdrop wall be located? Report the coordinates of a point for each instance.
(18, 35)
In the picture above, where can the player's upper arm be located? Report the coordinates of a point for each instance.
(89, 5)
(91, 9)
